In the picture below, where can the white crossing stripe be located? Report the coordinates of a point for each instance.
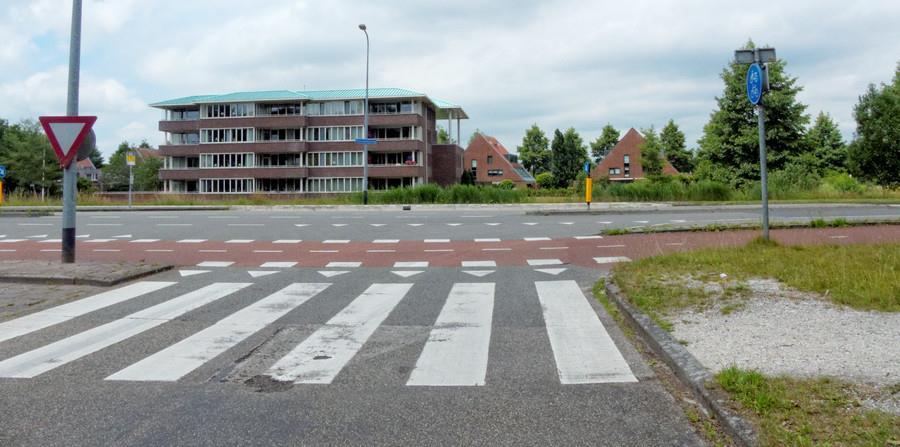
(288, 241)
(456, 353)
(46, 318)
(454, 224)
(410, 264)
(588, 237)
(553, 272)
(529, 223)
(332, 273)
(143, 241)
(437, 241)
(479, 273)
(343, 264)
(611, 259)
(215, 264)
(56, 354)
(479, 263)
(277, 264)
(492, 224)
(544, 262)
(191, 241)
(51, 241)
(239, 241)
(261, 273)
(386, 241)
(488, 239)
(178, 360)
(99, 240)
(536, 239)
(10, 241)
(320, 358)
(406, 273)
(584, 351)
(336, 241)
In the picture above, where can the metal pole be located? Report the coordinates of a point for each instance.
(130, 183)
(761, 112)
(366, 126)
(70, 184)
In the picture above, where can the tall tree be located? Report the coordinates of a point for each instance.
(146, 174)
(671, 139)
(568, 156)
(28, 157)
(729, 148)
(607, 140)
(651, 153)
(826, 145)
(96, 157)
(875, 153)
(534, 153)
(115, 173)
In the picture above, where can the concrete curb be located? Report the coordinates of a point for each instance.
(678, 208)
(458, 206)
(71, 279)
(57, 209)
(745, 226)
(685, 366)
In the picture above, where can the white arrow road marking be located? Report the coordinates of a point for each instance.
(192, 272)
(323, 355)
(278, 264)
(215, 264)
(178, 360)
(123, 236)
(583, 350)
(612, 259)
(343, 264)
(553, 272)
(456, 353)
(479, 273)
(261, 273)
(410, 264)
(479, 263)
(332, 273)
(406, 273)
(544, 262)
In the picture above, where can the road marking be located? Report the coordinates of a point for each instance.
(332, 273)
(439, 250)
(108, 250)
(99, 241)
(553, 248)
(324, 251)
(344, 264)
(268, 251)
(641, 221)
(339, 225)
(288, 241)
(239, 241)
(611, 259)
(536, 239)
(611, 246)
(410, 264)
(215, 264)
(386, 241)
(456, 353)
(320, 358)
(544, 262)
(336, 241)
(406, 273)
(301, 225)
(83, 236)
(567, 223)
(581, 238)
(65, 312)
(222, 217)
(175, 225)
(377, 225)
(105, 224)
(679, 220)
(8, 250)
(11, 241)
(416, 224)
(531, 224)
(284, 217)
(105, 217)
(492, 224)
(838, 237)
(52, 250)
(38, 236)
(50, 241)
(158, 251)
(278, 264)
(487, 239)
(260, 273)
(164, 217)
(381, 251)
(553, 272)
(143, 241)
(35, 224)
(123, 236)
(212, 251)
(479, 273)
(454, 224)
(179, 359)
(437, 241)
(584, 351)
(675, 243)
(479, 264)
(496, 249)
(604, 222)
(191, 241)
(246, 225)
(56, 354)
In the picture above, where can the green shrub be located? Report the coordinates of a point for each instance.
(506, 184)
(843, 183)
(546, 180)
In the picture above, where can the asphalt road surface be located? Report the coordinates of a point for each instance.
(334, 356)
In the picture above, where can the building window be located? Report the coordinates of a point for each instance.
(279, 109)
(279, 135)
(237, 160)
(495, 172)
(614, 171)
(335, 133)
(331, 108)
(239, 135)
(490, 159)
(333, 159)
(279, 185)
(334, 184)
(389, 108)
(227, 110)
(627, 159)
(279, 160)
(226, 185)
(395, 133)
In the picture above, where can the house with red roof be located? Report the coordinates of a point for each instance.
(623, 163)
(491, 163)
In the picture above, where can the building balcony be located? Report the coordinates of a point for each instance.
(259, 122)
(179, 126)
(406, 119)
(381, 171)
(265, 147)
(255, 172)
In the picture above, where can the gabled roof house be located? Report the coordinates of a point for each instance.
(623, 163)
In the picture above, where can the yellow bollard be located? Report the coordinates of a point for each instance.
(588, 191)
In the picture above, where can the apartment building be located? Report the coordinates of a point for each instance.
(301, 141)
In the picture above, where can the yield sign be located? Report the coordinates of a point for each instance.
(66, 133)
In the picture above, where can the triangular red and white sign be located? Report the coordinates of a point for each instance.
(66, 133)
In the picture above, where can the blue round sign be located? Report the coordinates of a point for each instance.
(754, 83)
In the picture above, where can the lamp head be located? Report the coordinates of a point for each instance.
(362, 26)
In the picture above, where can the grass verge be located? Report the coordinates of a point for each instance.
(806, 412)
(865, 277)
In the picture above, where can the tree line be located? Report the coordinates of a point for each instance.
(728, 152)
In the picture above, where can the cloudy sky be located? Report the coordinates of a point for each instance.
(509, 63)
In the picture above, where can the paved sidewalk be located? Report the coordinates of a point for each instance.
(87, 273)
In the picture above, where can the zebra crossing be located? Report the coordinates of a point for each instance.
(455, 352)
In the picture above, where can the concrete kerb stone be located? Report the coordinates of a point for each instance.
(55, 209)
(93, 274)
(680, 208)
(459, 206)
(686, 367)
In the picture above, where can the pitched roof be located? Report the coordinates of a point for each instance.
(85, 164)
(630, 145)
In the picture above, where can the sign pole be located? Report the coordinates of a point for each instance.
(130, 159)
(70, 184)
(763, 174)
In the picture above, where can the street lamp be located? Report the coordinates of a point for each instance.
(365, 184)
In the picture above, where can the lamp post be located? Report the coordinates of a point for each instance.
(365, 157)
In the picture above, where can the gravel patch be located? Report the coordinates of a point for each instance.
(778, 331)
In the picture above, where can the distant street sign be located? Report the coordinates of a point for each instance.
(366, 141)
(2, 172)
(587, 167)
(754, 83)
(66, 134)
(130, 159)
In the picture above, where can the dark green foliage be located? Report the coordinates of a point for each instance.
(875, 154)
(826, 146)
(534, 153)
(672, 140)
(146, 171)
(467, 178)
(729, 148)
(607, 140)
(545, 180)
(146, 174)
(651, 153)
(568, 156)
(431, 193)
(506, 184)
(443, 137)
(26, 153)
(85, 185)
(96, 157)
